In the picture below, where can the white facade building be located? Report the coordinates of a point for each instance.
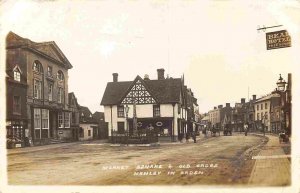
(160, 104)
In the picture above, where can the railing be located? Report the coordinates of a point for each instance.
(143, 136)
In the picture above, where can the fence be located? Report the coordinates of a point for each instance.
(143, 136)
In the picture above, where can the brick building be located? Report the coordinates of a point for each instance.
(37, 90)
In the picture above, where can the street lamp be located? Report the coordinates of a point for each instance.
(281, 88)
(281, 84)
(126, 114)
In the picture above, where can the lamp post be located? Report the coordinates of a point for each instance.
(281, 88)
(127, 129)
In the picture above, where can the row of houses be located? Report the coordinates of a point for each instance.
(165, 105)
(270, 113)
(39, 108)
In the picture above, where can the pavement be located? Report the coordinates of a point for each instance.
(272, 166)
(96, 142)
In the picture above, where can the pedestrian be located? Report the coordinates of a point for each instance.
(187, 137)
(194, 137)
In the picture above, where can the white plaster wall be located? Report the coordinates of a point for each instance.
(268, 122)
(86, 128)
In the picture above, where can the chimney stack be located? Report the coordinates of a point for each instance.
(115, 77)
(227, 104)
(215, 108)
(220, 106)
(243, 100)
(160, 74)
(254, 97)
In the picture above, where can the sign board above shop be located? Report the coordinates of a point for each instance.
(278, 39)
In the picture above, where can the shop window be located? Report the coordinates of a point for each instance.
(156, 110)
(60, 120)
(17, 105)
(37, 118)
(120, 111)
(37, 89)
(67, 120)
(121, 127)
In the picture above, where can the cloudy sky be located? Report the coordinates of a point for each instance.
(215, 44)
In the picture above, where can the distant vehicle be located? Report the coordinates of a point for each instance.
(227, 131)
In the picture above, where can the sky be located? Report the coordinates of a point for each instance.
(214, 44)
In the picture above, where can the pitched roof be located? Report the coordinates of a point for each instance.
(99, 116)
(164, 91)
(49, 49)
(268, 97)
(85, 115)
(70, 96)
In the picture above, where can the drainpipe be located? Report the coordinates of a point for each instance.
(173, 137)
(111, 124)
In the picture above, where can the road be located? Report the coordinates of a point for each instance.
(224, 160)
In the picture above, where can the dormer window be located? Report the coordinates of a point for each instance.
(17, 74)
(60, 75)
(37, 67)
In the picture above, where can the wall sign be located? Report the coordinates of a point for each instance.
(159, 124)
(278, 39)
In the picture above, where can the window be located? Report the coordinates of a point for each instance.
(178, 108)
(60, 120)
(73, 118)
(156, 110)
(45, 123)
(67, 120)
(60, 75)
(60, 95)
(266, 105)
(17, 75)
(257, 107)
(266, 116)
(258, 116)
(50, 91)
(262, 115)
(16, 105)
(37, 66)
(261, 106)
(49, 71)
(120, 111)
(89, 133)
(37, 122)
(37, 89)
(121, 128)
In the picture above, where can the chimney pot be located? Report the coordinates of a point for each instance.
(160, 74)
(115, 77)
(227, 104)
(254, 97)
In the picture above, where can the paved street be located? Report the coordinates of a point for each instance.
(271, 160)
(224, 160)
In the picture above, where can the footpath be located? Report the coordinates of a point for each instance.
(272, 166)
(50, 146)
